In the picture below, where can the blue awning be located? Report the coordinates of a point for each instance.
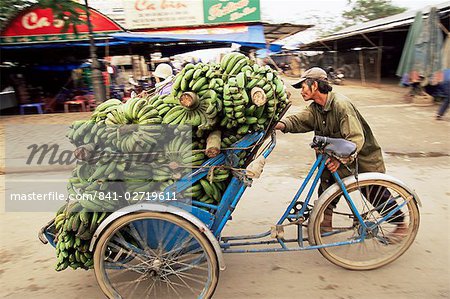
(62, 45)
(252, 37)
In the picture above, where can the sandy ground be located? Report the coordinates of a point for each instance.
(417, 150)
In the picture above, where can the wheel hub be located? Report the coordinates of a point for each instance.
(370, 232)
(154, 269)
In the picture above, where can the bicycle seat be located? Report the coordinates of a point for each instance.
(338, 147)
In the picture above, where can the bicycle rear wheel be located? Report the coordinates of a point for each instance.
(155, 255)
(384, 242)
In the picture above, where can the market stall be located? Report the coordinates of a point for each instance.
(43, 58)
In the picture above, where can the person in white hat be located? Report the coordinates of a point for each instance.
(163, 75)
(333, 115)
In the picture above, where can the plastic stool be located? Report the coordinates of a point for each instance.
(79, 103)
(38, 106)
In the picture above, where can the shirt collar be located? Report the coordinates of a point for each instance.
(330, 98)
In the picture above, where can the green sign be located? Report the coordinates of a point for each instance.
(231, 11)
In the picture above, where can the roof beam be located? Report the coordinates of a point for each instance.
(323, 44)
(443, 28)
(368, 40)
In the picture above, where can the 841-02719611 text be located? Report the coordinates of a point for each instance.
(135, 196)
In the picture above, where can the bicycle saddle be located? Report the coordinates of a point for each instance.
(338, 147)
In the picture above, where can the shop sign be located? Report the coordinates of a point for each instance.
(140, 14)
(145, 14)
(39, 25)
(233, 11)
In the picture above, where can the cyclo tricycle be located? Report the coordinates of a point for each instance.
(174, 249)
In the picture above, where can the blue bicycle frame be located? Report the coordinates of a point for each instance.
(219, 215)
(217, 220)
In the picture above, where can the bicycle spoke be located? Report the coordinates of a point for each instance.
(183, 245)
(189, 276)
(149, 289)
(133, 252)
(169, 238)
(175, 291)
(136, 234)
(182, 280)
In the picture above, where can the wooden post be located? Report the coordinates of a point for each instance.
(379, 58)
(213, 144)
(107, 49)
(335, 56)
(361, 68)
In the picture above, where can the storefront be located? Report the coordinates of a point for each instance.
(41, 61)
(49, 65)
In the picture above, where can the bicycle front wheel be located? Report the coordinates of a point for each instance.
(155, 255)
(391, 219)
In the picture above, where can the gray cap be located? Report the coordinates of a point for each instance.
(315, 73)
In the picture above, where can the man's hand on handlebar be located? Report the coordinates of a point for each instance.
(280, 126)
(332, 164)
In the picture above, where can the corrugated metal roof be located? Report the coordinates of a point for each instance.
(382, 24)
(276, 32)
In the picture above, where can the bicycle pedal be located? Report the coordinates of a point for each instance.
(277, 231)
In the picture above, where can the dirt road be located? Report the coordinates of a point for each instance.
(417, 150)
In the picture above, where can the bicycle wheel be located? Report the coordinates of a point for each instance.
(155, 255)
(383, 242)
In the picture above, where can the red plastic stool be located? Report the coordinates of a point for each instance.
(79, 103)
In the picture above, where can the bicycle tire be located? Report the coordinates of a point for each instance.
(359, 256)
(171, 228)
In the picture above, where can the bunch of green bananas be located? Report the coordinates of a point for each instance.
(136, 138)
(207, 192)
(104, 108)
(222, 102)
(74, 229)
(232, 63)
(95, 184)
(80, 132)
(213, 191)
(227, 141)
(203, 115)
(235, 100)
(163, 103)
(138, 178)
(134, 111)
(194, 78)
(179, 152)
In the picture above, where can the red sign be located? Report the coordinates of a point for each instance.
(40, 25)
